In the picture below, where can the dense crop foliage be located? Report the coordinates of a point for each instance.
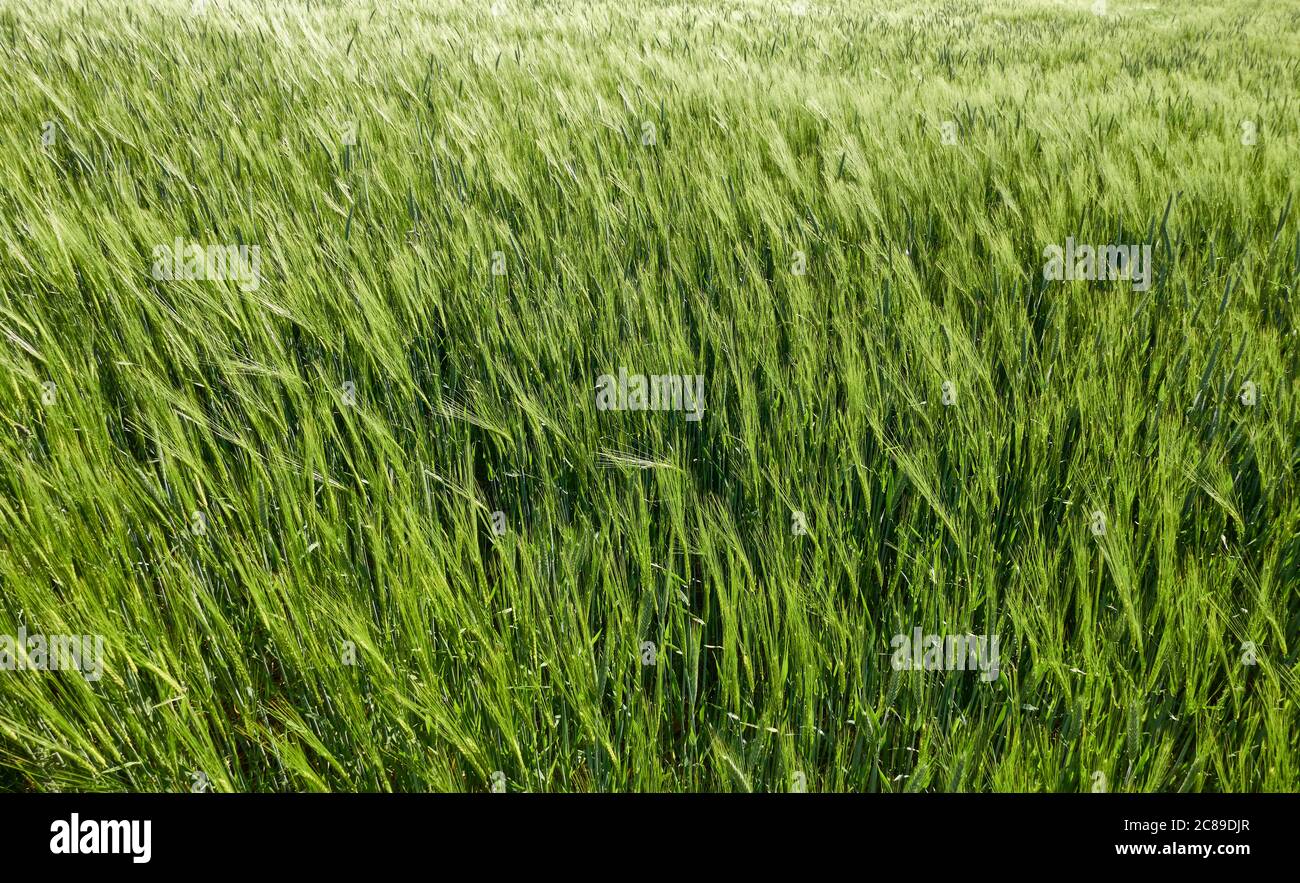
(274, 495)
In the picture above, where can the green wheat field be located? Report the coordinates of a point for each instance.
(337, 499)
